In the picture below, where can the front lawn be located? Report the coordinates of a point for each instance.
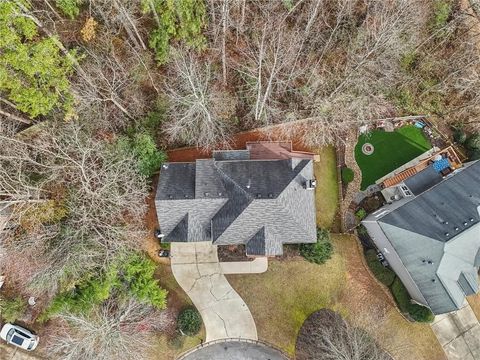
(282, 298)
(391, 150)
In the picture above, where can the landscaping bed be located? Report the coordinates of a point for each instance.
(390, 151)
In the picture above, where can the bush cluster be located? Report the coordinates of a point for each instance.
(189, 321)
(320, 251)
(347, 175)
(382, 273)
(132, 276)
(417, 312)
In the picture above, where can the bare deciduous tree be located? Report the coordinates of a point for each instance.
(326, 336)
(122, 330)
(77, 199)
(199, 111)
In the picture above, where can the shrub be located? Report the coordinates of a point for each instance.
(417, 312)
(474, 154)
(12, 309)
(138, 273)
(71, 8)
(383, 274)
(145, 150)
(441, 13)
(347, 175)
(361, 214)
(459, 136)
(83, 297)
(132, 275)
(320, 251)
(473, 142)
(189, 321)
(409, 61)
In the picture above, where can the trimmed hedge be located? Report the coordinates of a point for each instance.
(417, 312)
(189, 321)
(347, 175)
(383, 274)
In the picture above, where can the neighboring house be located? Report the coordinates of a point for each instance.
(262, 197)
(430, 235)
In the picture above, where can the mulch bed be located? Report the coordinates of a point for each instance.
(228, 253)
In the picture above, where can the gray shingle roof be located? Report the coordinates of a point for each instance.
(256, 244)
(443, 211)
(443, 267)
(423, 180)
(234, 200)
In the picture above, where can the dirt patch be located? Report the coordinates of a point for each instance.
(188, 154)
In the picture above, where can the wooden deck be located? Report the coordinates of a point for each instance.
(448, 152)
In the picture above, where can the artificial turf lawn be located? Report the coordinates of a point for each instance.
(392, 150)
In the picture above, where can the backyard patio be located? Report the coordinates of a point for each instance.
(378, 152)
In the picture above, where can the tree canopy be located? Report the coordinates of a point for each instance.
(33, 71)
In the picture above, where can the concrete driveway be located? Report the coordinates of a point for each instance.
(197, 270)
(459, 334)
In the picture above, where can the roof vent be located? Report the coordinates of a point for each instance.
(471, 219)
(249, 183)
(270, 195)
(186, 196)
(170, 196)
(434, 280)
(259, 196)
(447, 234)
(430, 262)
(457, 228)
(445, 222)
(206, 193)
(219, 194)
(465, 223)
(165, 166)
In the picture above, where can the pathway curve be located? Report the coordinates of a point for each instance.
(459, 334)
(198, 271)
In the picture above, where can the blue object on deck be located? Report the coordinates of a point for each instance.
(441, 164)
(420, 124)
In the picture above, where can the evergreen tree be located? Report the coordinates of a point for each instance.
(33, 71)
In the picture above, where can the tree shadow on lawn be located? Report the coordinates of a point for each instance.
(391, 150)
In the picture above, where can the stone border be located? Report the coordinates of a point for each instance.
(368, 149)
(213, 342)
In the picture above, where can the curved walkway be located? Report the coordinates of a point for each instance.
(198, 271)
(234, 350)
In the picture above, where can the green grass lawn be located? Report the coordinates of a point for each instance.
(392, 150)
(326, 193)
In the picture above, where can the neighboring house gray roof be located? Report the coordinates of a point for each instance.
(437, 238)
(260, 203)
(423, 180)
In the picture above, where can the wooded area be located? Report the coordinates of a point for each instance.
(92, 92)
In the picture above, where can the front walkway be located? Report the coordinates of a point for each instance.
(198, 271)
(459, 334)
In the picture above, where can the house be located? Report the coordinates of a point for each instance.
(261, 197)
(431, 235)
